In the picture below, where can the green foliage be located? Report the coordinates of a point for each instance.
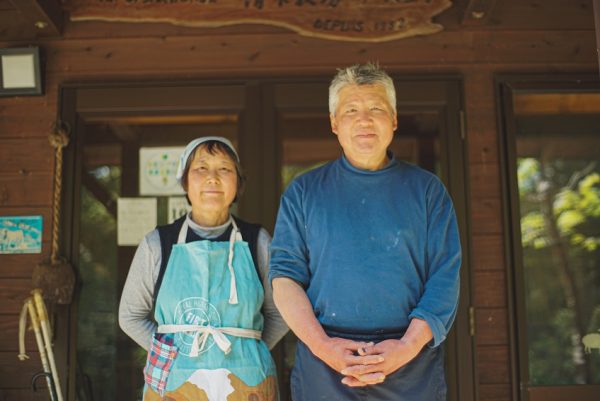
(572, 208)
(96, 322)
(560, 215)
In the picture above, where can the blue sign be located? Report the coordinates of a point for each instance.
(21, 234)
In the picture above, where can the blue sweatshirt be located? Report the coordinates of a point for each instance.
(372, 249)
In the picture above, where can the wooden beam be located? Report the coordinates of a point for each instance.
(31, 19)
(478, 12)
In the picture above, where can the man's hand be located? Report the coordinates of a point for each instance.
(394, 354)
(340, 354)
(337, 353)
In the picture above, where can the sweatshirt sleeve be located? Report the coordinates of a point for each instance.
(138, 292)
(439, 301)
(275, 327)
(289, 254)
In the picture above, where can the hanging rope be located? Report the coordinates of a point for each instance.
(56, 277)
(59, 138)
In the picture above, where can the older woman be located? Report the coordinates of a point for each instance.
(205, 276)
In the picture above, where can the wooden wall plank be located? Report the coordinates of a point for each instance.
(17, 120)
(21, 265)
(268, 53)
(483, 148)
(484, 180)
(488, 252)
(486, 215)
(490, 289)
(17, 374)
(492, 326)
(31, 126)
(13, 292)
(9, 327)
(493, 364)
(33, 189)
(20, 156)
(547, 14)
(495, 392)
(23, 394)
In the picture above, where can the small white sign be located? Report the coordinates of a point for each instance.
(178, 206)
(158, 167)
(136, 217)
(18, 71)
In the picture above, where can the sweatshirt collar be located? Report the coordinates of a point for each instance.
(390, 164)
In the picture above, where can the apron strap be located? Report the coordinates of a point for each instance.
(235, 236)
(183, 232)
(203, 332)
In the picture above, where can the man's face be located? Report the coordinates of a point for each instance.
(364, 123)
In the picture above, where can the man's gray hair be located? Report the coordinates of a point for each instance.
(360, 74)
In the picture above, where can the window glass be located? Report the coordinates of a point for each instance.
(558, 174)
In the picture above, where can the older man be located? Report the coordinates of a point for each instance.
(365, 259)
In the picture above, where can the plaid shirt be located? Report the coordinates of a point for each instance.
(160, 359)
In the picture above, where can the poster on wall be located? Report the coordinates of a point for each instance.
(158, 167)
(177, 207)
(21, 234)
(136, 217)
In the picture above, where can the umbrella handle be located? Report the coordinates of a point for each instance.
(49, 379)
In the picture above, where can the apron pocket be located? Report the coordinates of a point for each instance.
(160, 360)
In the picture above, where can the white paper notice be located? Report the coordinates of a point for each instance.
(178, 206)
(18, 71)
(158, 167)
(136, 217)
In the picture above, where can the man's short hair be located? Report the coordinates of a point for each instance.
(360, 74)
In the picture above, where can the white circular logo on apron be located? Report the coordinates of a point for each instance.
(197, 311)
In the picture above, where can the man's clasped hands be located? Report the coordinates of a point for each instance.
(363, 363)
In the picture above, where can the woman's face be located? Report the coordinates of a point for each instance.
(211, 181)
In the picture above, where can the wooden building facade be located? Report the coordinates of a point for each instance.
(465, 94)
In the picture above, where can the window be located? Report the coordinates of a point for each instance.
(552, 138)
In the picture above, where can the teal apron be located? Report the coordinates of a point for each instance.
(208, 344)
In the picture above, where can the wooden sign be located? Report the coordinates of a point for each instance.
(351, 20)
